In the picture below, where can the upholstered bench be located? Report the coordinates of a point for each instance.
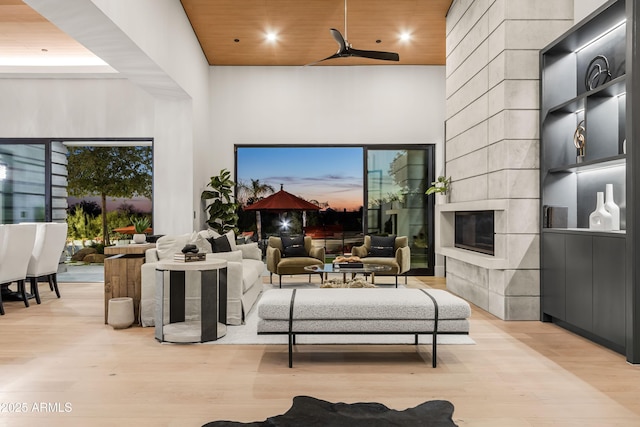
(362, 311)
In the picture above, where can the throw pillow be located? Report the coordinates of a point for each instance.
(293, 246)
(382, 246)
(230, 235)
(220, 244)
(201, 242)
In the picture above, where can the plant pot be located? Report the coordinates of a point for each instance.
(442, 198)
(139, 238)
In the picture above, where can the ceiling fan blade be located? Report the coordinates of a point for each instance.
(374, 54)
(341, 41)
(335, 55)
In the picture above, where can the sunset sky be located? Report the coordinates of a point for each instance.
(324, 174)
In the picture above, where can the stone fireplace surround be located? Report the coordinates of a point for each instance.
(506, 284)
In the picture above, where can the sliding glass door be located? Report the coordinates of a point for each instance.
(397, 178)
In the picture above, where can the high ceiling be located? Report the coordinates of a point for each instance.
(233, 32)
(302, 28)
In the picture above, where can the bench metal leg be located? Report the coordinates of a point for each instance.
(291, 338)
(434, 354)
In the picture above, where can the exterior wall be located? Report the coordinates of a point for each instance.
(58, 182)
(492, 140)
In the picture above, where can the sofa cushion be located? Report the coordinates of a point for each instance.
(251, 270)
(382, 246)
(167, 246)
(233, 256)
(293, 246)
(200, 240)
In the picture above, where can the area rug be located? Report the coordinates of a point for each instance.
(311, 412)
(247, 333)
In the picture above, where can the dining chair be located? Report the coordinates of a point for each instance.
(16, 246)
(45, 256)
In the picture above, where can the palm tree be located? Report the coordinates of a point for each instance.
(255, 192)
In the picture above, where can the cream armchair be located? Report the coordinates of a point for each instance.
(399, 259)
(292, 259)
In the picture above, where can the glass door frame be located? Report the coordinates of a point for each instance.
(429, 213)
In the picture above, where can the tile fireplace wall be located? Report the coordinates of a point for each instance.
(492, 145)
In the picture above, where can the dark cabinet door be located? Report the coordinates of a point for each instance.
(553, 275)
(608, 288)
(579, 281)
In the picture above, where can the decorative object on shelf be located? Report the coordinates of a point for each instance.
(441, 187)
(579, 141)
(598, 72)
(600, 219)
(555, 216)
(611, 207)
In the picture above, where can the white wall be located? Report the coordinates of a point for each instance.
(151, 43)
(325, 105)
(74, 108)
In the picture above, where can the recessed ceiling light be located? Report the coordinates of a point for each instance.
(378, 41)
(272, 37)
(236, 40)
(405, 37)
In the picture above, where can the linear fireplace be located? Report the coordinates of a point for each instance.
(474, 230)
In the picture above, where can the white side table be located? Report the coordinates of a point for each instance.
(213, 301)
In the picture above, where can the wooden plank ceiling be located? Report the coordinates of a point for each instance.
(233, 32)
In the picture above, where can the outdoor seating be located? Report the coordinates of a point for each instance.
(386, 250)
(290, 255)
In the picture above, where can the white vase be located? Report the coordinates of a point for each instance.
(611, 207)
(600, 219)
(139, 238)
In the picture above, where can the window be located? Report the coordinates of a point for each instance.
(358, 189)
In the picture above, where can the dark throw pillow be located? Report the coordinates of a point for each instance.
(220, 244)
(382, 246)
(293, 246)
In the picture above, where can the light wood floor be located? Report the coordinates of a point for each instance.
(518, 373)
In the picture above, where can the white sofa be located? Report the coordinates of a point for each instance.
(244, 275)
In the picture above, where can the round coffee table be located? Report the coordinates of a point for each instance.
(366, 269)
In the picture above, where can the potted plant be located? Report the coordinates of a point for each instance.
(223, 215)
(140, 226)
(441, 186)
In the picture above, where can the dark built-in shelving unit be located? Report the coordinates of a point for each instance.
(588, 278)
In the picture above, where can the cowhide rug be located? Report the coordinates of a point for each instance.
(311, 412)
